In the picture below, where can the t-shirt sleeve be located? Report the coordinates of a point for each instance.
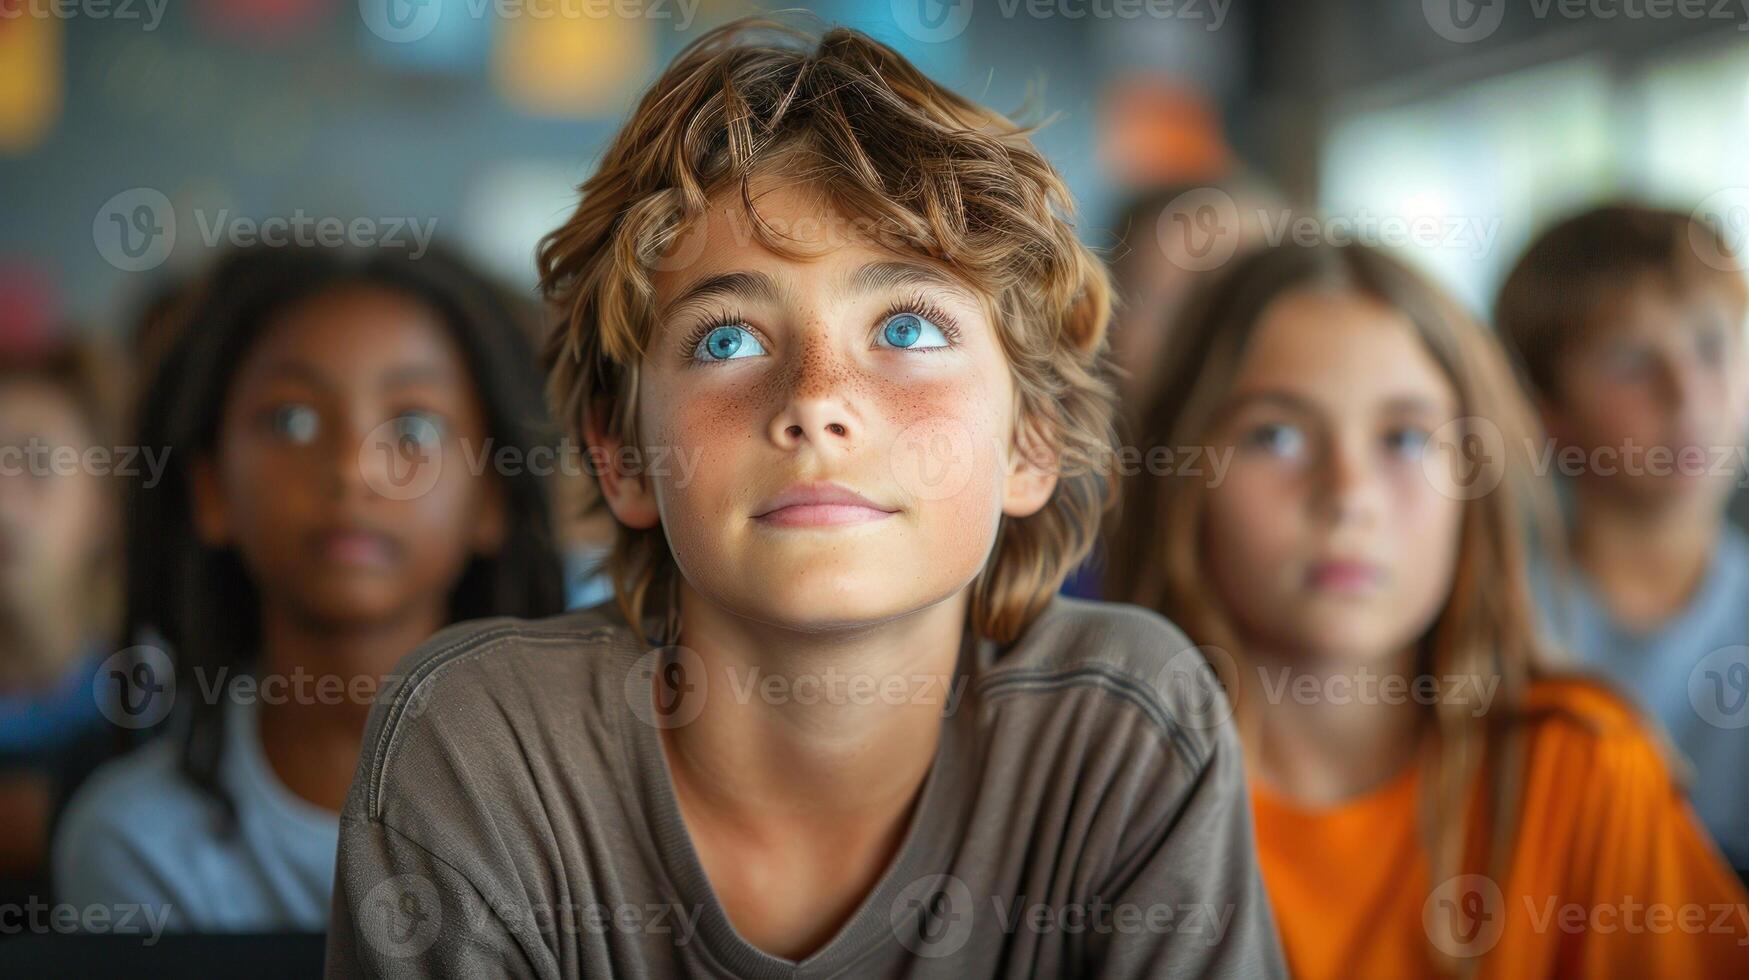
(425, 884)
(1188, 898)
(401, 911)
(1658, 898)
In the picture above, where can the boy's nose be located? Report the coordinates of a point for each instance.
(823, 421)
(817, 407)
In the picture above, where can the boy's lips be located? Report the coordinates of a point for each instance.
(818, 504)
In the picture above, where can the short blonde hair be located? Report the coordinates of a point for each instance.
(942, 177)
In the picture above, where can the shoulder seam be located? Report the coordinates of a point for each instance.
(459, 873)
(1106, 678)
(459, 650)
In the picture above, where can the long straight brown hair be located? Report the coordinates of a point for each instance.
(1487, 626)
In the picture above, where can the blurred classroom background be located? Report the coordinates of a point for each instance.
(475, 119)
(139, 139)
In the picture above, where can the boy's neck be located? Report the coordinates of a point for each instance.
(1646, 563)
(803, 765)
(814, 722)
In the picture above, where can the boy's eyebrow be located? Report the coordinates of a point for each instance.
(752, 285)
(759, 287)
(889, 274)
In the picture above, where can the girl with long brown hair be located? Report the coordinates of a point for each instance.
(1431, 794)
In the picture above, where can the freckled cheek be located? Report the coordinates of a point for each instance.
(702, 446)
(948, 425)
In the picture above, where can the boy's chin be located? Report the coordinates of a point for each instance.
(822, 602)
(819, 608)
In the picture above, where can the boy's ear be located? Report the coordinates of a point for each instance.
(212, 520)
(630, 497)
(1032, 476)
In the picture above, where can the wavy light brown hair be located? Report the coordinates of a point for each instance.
(1487, 626)
(942, 178)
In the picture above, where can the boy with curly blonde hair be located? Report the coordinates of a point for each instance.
(837, 351)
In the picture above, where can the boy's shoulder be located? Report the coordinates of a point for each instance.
(1127, 671)
(504, 645)
(496, 679)
(503, 655)
(1099, 652)
(468, 642)
(1073, 630)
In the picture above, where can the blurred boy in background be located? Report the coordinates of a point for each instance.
(1628, 323)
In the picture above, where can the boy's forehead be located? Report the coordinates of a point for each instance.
(804, 215)
(826, 246)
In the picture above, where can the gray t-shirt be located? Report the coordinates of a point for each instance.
(1086, 815)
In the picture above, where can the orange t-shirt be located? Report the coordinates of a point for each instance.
(1610, 874)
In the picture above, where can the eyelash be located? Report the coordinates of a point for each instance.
(689, 344)
(919, 305)
(916, 306)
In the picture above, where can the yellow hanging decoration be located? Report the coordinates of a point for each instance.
(571, 59)
(31, 70)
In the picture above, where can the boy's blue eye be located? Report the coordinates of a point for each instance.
(908, 331)
(728, 342)
(299, 424)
